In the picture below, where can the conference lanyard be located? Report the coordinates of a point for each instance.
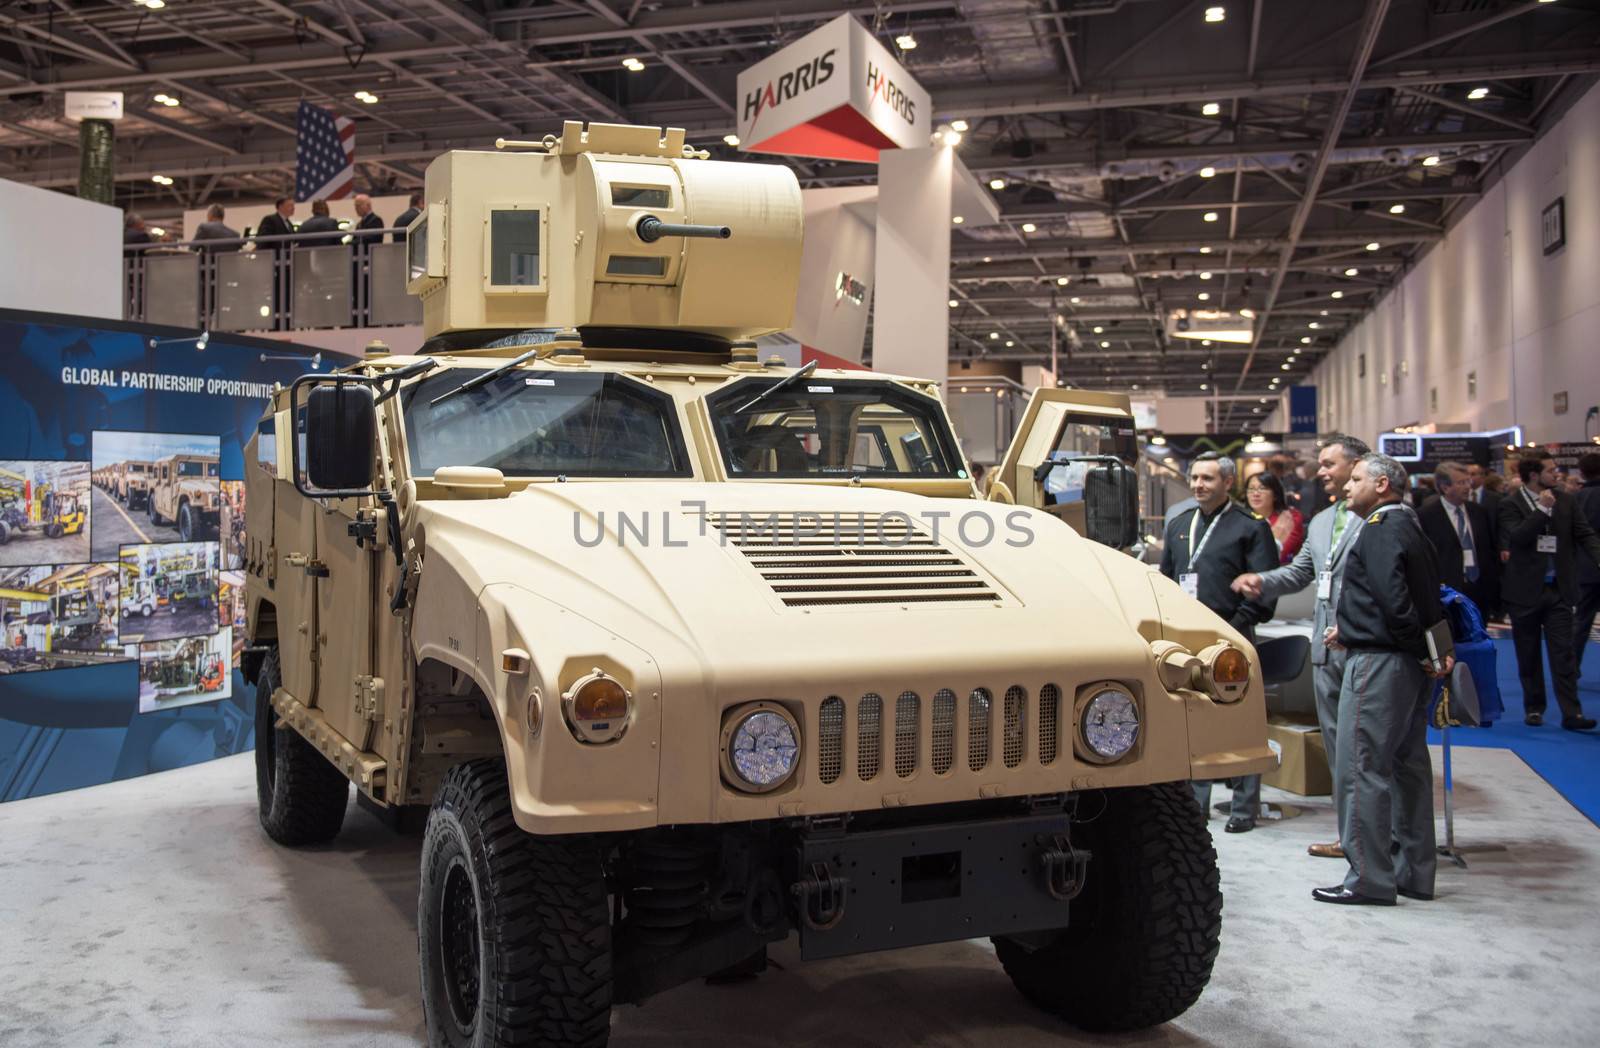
(1194, 526)
(1546, 543)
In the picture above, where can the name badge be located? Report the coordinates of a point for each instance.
(1469, 558)
(1547, 544)
(1190, 581)
(1324, 585)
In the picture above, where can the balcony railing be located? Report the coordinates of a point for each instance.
(285, 283)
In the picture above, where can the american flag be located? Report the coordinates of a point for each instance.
(326, 152)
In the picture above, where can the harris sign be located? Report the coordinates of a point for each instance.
(836, 94)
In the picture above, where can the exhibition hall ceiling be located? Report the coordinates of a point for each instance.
(1285, 157)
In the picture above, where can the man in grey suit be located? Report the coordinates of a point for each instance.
(1321, 562)
(214, 228)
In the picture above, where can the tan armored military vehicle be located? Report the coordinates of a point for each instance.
(133, 482)
(186, 490)
(686, 652)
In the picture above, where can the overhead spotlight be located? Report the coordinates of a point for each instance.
(1210, 216)
(1313, 325)
(1211, 109)
(1352, 271)
(368, 97)
(1105, 345)
(1248, 314)
(1477, 93)
(153, 5)
(1299, 163)
(1205, 250)
(1204, 296)
(987, 258)
(1062, 282)
(161, 180)
(956, 219)
(731, 140)
(1284, 367)
(947, 135)
(1205, 274)
(1373, 245)
(1009, 343)
(157, 231)
(1216, 14)
(1305, 340)
(1205, 342)
(1337, 294)
(162, 98)
(1029, 227)
(1322, 313)
(1397, 209)
(1208, 172)
(958, 125)
(994, 336)
(953, 303)
(906, 42)
(632, 64)
(1430, 161)
(1098, 329)
(1075, 300)
(997, 183)
(1204, 385)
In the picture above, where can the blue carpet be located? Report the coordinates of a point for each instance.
(1568, 760)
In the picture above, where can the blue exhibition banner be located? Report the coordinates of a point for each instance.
(121, 541)
(1302, 409)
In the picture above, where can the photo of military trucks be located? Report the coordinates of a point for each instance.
(154, 487)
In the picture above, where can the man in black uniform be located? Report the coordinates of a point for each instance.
(1207, 547)
(1541, 532)
(1390, 599)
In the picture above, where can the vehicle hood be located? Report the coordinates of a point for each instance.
(641, 560)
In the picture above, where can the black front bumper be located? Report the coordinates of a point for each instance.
(881, 889)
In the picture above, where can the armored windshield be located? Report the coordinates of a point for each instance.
(833, 427)
(191, 468)
(542, 423)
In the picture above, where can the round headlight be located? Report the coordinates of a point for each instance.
(1109, 725)
(761, 748)
(597, 707)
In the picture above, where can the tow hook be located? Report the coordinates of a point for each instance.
(1065, 868)
(821, 896)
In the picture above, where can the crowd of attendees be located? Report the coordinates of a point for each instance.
(278, 229)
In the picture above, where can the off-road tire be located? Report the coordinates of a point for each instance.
(539, 925)
(185, 523)
(150, 509)
(300, 795)
(1144, 934)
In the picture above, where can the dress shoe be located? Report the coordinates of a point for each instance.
(1327, 851)
(1578, 723)
(1420, 896)
(1533, 720)
(1238, 825)
(1345, 897)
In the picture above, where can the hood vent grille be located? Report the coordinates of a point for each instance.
(821, 559)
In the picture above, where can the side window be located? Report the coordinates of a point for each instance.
(267, 445)
(417, 252)
(514, 248)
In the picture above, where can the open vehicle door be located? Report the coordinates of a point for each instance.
(1075, 456)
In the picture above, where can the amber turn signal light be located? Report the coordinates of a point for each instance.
(601, 699)
(1231, 667)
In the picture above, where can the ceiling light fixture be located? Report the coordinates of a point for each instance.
(161, 180)
(1216, 14)
(1205, 274)
(1210, 216)
(1204, 296)
(1397, 209)
(1337, 294)
(1105, 345)
(1430, 161)
(1098, 329)
(1009, 343)
(1211, 109)
(906, 42)
(1305, 340)
(953, 303)
(1352, 271)
(987, 258)
(957, 219)
(1062, 282)
(1313, 325)
(1205, 250)
(1477, 94)
(731, 140)
(1076, 300)
(1029, 227)
(1208, 172)
(958, 125)
(997, 183)
(1373, 245)
(632, 64)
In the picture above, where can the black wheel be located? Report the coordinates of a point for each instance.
(513, 930)
(150, 509)
(301, 796)
(53, 531)
(186, 523)
(1144, 933)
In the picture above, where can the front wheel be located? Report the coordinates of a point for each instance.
(1144, 933)
(513, 930)
(301, 796)
(186, 523)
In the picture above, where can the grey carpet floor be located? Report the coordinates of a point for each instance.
(154, 912)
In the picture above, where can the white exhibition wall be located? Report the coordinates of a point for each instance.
(59, 254)
(1488, 330)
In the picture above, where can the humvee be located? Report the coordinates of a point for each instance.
(684, 652)
(133, 483)
(185, 490)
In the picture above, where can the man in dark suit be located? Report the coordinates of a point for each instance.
(278, 224)
(368, 220)
(1481, 494)
(1461, 536)
(1206, 548)
(1588, 500)
(1541, 534)
(408, 216)
(319, 222)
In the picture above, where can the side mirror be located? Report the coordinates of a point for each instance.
(341, 430)
(1111, 505)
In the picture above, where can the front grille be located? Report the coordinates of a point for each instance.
(895, 736)
(819, 559)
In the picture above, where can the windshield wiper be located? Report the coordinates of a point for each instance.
(490, 375)
(770, 390)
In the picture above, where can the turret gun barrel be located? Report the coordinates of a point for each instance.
(651, 229)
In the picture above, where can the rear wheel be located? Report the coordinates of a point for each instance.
(301, 796)
(186, 523)
(513, 930)
(54, 531)
(1145, 931)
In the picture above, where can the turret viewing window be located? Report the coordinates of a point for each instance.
(514, 248)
